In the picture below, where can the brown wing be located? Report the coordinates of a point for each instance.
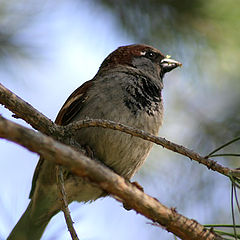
(68, 111)
(73, 104)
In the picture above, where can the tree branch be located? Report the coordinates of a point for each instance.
(63, 197)
(105, 178)
(210, 164)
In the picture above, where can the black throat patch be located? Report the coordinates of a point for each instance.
(142, 94)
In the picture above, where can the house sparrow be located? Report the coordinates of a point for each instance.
(126, 89)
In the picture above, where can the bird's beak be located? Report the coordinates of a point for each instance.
(169, 64)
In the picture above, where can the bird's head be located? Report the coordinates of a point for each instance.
(143, 57)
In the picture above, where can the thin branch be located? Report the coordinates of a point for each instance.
(210, 164)
(109, 181)
(63, 197)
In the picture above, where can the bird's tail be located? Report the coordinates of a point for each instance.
(31, 225)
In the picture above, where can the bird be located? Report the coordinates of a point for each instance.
(127, 89)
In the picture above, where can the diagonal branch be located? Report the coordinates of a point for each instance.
(210, 164)
(105, 178)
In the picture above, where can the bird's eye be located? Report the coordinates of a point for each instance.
(151, 55)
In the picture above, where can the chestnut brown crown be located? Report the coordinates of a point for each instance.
(126, 56)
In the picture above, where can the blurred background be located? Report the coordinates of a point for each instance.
(49, 48)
